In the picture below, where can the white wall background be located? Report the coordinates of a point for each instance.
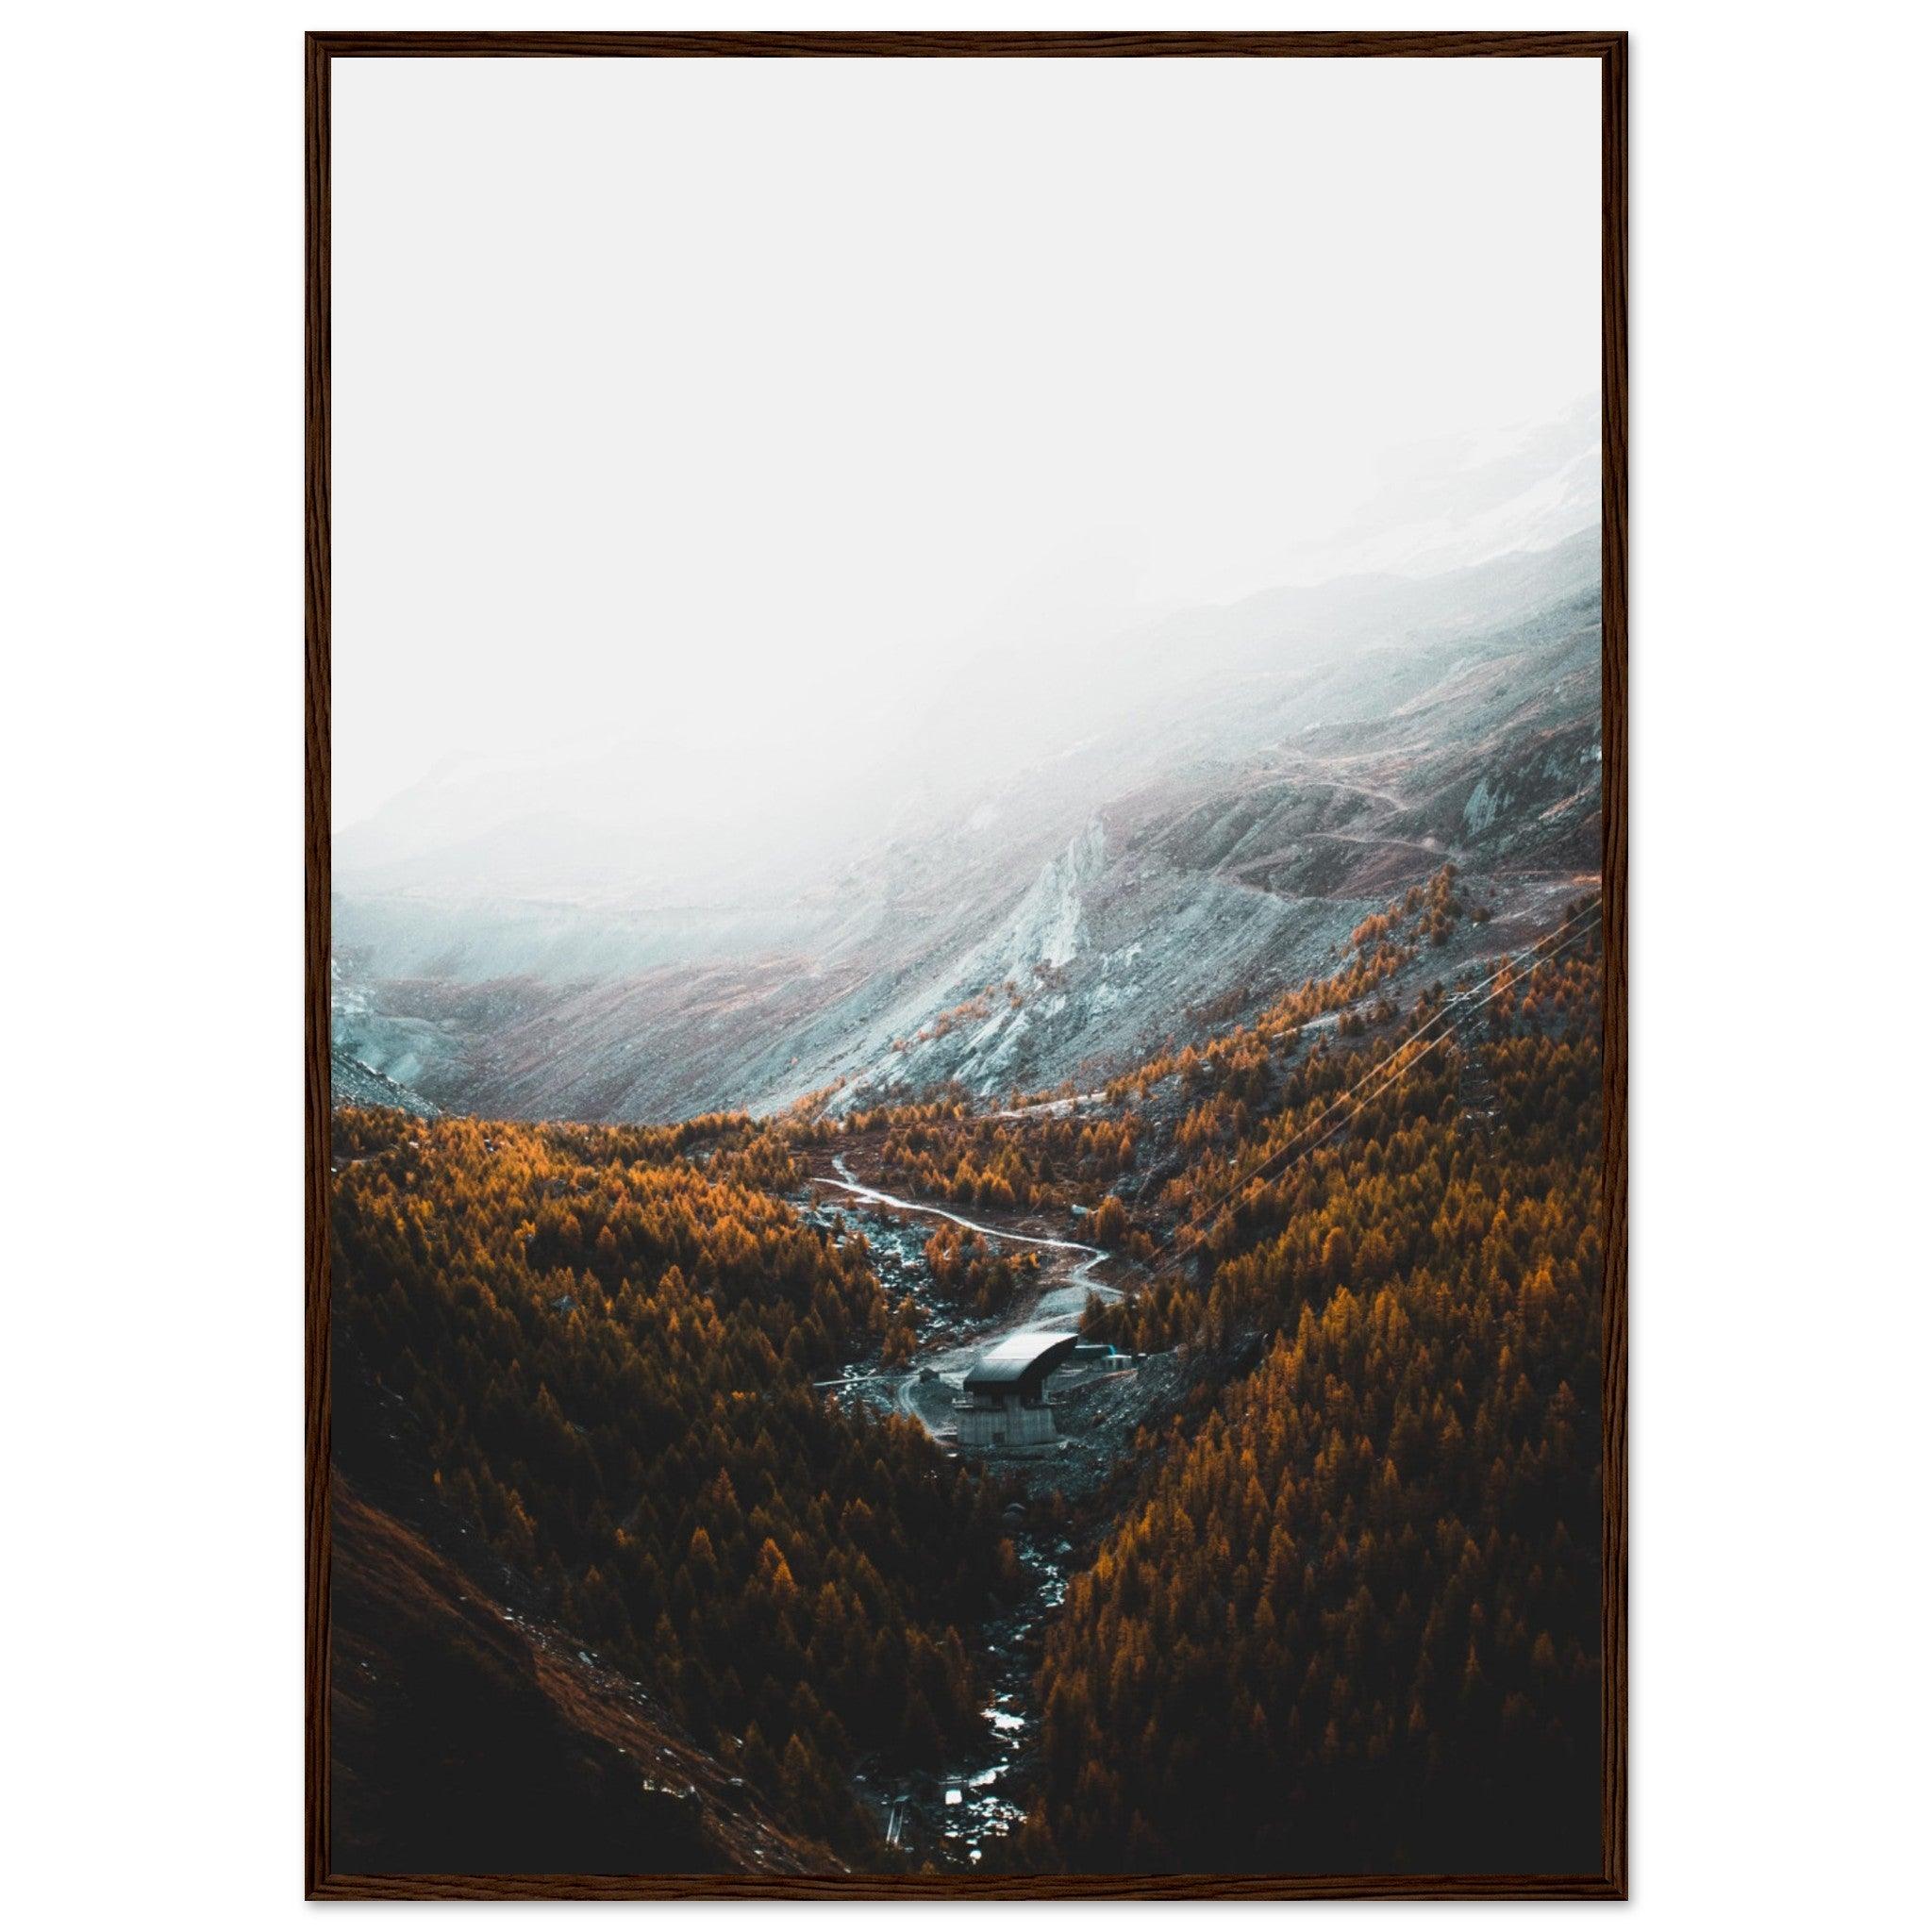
(152, 1426)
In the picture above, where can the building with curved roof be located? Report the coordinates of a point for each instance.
(1005, 1401)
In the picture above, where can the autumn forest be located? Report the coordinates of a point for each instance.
(658, 1547)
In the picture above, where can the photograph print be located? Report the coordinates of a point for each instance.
(966, 996)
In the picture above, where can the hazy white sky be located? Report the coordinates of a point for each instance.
(709, 397)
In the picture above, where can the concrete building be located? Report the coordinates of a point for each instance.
(1005, 1403)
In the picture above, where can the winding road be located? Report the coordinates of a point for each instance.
(1057, 1306)
(1052, 1303)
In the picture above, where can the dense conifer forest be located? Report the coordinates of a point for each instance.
(1336, 1609)
(1353, 1617)
(606, 1339)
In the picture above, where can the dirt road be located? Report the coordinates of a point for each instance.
(925, 1388)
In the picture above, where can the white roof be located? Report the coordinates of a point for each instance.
(1013, 1358)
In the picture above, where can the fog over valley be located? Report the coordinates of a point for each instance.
(1073, 844)
(1051, 611)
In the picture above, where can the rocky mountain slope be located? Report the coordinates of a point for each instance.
(353, 1084)
(1211, 802)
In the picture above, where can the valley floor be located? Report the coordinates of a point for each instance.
(966, 1807)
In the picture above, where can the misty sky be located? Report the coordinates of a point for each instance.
(745, 402)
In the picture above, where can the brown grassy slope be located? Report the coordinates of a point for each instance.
(465, 1740)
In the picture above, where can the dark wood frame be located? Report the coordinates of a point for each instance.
(1611, 51)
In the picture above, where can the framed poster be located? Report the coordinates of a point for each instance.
(966, 1020)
